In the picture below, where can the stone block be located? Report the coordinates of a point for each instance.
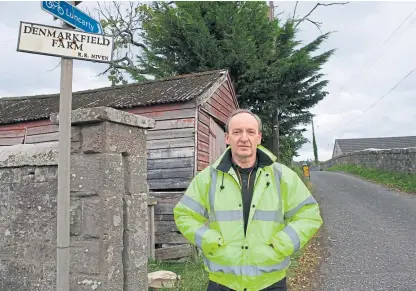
(26, 276)
(75, 219)
(91, 217)
(7, 175)
(92, 136)
(27, 174)
(111, 262)
(85, 174)
(107, 137)
(99, 114)
(46, 173)
(76, 147)
(85, 257)
(136, 171)
(113, 173)
(136, 237)
(42, 154)
(75, 133)
(122, 138)
(87, 283)
(112, 223)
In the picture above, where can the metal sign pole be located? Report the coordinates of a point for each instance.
(63, 199)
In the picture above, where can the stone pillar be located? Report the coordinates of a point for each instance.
(109, 222)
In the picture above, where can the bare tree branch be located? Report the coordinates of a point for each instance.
(119, 64)
(123, 21)
(313, 9)
(317, 24)
(294, 10)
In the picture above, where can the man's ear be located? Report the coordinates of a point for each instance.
(227, 139)
(260, 137)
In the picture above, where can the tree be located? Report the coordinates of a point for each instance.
(289, 146)
(268, 66)
(315, 148)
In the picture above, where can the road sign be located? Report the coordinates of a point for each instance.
(72, 15)
(55, 41)
(306, 170)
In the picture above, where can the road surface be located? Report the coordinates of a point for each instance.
(370, 233)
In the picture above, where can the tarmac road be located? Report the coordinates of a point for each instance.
(370, 234)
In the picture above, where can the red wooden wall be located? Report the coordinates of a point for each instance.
(28, 132)
(212, 116)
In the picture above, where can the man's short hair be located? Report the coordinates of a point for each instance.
(238, 111)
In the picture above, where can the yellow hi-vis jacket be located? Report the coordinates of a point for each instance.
(283, 217)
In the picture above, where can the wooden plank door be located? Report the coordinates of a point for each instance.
(216, 140)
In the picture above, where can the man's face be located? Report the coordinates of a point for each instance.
(243, 135)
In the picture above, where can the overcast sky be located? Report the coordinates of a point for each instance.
(361, 72)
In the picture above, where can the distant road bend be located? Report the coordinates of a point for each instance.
(371, 234)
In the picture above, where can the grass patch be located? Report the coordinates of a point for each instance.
(195, 278)
(193, 275)
(398, 181)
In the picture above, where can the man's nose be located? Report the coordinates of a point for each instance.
(244, 136)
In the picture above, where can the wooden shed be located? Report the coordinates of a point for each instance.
(190, 113)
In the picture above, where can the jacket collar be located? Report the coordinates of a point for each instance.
(264, 158)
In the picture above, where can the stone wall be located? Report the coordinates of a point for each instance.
(395, 160)
(108, 211)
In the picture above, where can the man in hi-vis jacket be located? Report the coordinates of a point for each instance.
(247, 213)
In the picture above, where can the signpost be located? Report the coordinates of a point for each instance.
(306, 171)
(72, 16)
(69, 44)
(55, 41)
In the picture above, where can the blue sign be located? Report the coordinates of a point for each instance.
(72, 15)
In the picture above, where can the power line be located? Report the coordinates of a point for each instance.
(377, 58)
(382, 97)
(385, 42)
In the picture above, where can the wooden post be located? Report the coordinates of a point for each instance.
(151, 202)
(63, 195)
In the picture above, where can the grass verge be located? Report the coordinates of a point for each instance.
(397, 181)
(195, 278)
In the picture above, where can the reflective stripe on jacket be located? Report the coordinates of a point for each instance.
(283, 217)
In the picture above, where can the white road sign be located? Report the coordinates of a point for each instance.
(56, 41)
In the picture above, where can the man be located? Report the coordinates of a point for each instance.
(247, 213)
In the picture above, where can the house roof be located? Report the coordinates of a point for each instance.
(359, 144)
(173, 89)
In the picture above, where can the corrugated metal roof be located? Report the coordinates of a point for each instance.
(174, 89)
(360, 144)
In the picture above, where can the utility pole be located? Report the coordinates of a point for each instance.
(63, 197)
(276, 112)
